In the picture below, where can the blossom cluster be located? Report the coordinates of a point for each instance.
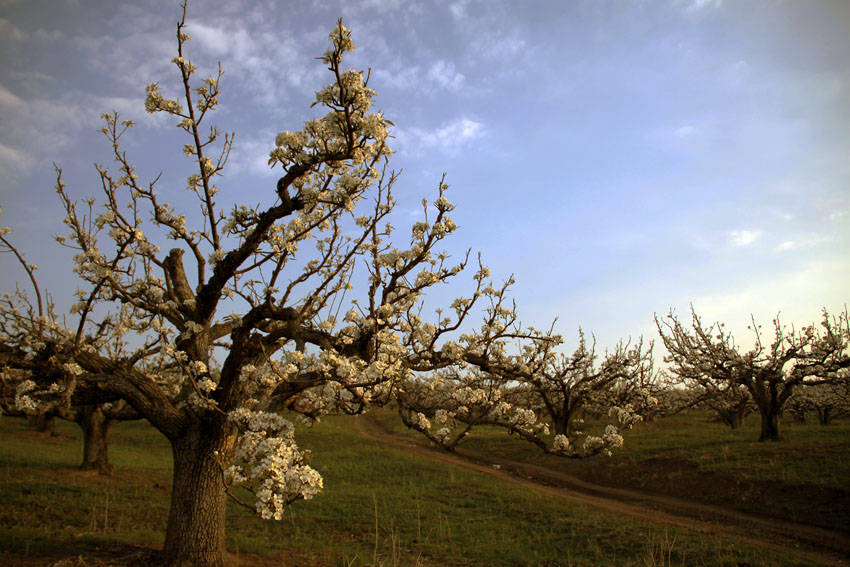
(268, 462)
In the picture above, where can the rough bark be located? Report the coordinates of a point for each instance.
(563, 419)
(196, 519)
(561, 424)
(96, 428)
(771, 428)
(44, 423)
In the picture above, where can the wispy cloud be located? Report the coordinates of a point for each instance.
(213, 39)
(447, 138)
(9, 100)
(252, 156)
(19, 37)
(699, 5)
(13, 160)
(458, 9)
(686, 131)
(35, 128)
(499, 46)
(789, 245)
(739, 238)
(441, 75)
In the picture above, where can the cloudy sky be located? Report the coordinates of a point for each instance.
(619, 157)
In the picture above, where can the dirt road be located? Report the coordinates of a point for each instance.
(816, 544)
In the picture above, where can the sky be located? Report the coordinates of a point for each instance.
(619, 158)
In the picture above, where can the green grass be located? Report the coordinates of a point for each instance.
(805, 478)
(379, 507)
(50, 506)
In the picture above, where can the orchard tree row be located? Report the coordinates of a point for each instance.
(799, 369)
(217, 326)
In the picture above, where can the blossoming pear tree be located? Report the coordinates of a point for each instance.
(770, 372)
(26, 325)
(827, 401)
(531, 390)
(728, 402)
(619, 385)
(300, 303)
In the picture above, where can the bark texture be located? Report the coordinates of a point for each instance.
(195, 533)
(771, 428)
(96, 428)
(44, 423)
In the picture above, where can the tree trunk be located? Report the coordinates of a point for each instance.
(96, 430)
(44, 423)
(195, 533)
(771, 429)
(824, 415)
(561, 424)
(563, 419)
(734, 418)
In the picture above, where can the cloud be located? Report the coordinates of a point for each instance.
(500, 46)
(440, 75)
(37, 128)
(252, 156)
(13, 160)
(260, 62)
(447, 138)
(699, 5)
(789, 245)
(10, 32)
(212, 39)
(694, 135)
(686, 131)
(443, 74)
(458, 9)
(738, 238)
(9, 100)
(383, 5)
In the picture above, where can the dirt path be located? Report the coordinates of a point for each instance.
(815, 544)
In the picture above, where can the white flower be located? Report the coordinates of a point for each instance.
(72, 368)
(421, 422)
(216, 257)
(561, 443)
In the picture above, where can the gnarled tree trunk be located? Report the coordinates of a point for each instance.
(96, 428)
(770, 396)
(44, 423)
(195, 533)
(771, 428)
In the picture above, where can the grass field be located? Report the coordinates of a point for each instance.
(805, 478)
(380, 506)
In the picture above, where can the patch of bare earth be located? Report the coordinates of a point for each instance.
(816, 543)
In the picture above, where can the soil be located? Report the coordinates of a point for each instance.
(816, 543)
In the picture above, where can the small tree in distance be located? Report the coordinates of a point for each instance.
(769, 372)
(728, 402)
(828, 401)
(31, 325)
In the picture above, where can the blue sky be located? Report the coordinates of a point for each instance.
(620, 158)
